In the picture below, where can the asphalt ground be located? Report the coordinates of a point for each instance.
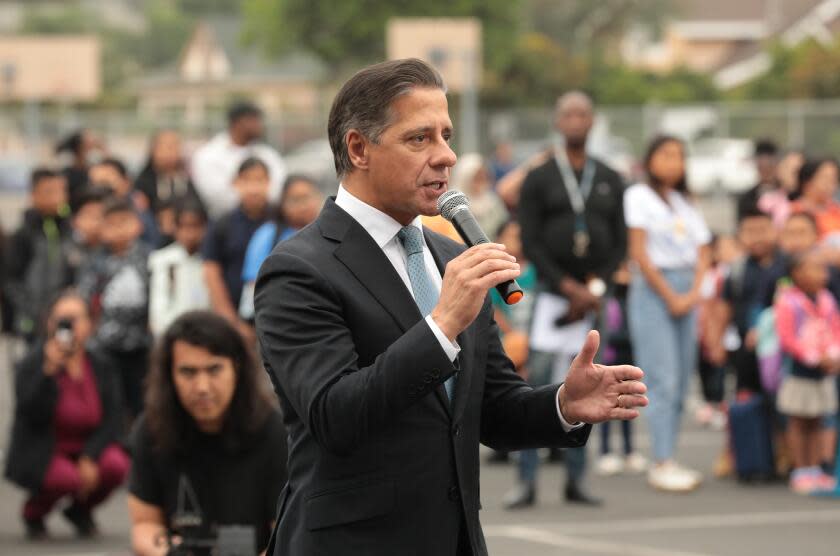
(723, 517)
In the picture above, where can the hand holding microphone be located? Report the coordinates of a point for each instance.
(471, 274)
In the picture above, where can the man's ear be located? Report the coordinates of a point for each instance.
(357, 149)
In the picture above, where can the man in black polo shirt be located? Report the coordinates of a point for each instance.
(573, 231)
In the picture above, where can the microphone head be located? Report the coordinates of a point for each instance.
(452, 202)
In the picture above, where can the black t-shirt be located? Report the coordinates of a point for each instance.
(745, 289)
(548, 224)
(226, 243)
(230, 488)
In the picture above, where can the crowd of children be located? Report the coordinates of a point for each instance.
(140, 254)
(136, 275)
(767, 333)
(780, 298)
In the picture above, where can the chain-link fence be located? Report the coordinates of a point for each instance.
(813, 125)
(33, 130)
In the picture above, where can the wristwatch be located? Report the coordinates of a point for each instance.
(596, 287)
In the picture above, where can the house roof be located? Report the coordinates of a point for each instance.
(248, 64)
(798, 21)
(719, 10)
(740, 16)
(251, 61)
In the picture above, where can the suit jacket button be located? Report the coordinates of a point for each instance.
(454, 494)
(456, 430)
(436, 373)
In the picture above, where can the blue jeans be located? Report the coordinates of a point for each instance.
(626, 435)
(540, 366)
(664, 347)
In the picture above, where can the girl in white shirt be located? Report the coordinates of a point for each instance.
(669, 246)
(176, 281)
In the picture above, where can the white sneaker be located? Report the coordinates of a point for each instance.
(718, 421)
(670, 477)
(703, 415)
(691, 472)
(635, 463)
(608, 465)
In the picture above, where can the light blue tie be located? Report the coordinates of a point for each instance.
(425, 293)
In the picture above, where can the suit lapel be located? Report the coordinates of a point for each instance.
(363, 257)
(442, 255)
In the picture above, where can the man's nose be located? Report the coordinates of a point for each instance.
(444, 155)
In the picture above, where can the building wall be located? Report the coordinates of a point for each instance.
(676, 50)
(50, 68)
(700, 55)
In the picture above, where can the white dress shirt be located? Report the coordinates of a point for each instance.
(383, 229)
(214, 167)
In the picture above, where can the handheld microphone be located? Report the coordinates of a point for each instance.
(455, 207)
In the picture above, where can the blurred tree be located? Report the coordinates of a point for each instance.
(125, 54)
(774, 83)
(587, 27)
(206, 7)
(71, 18)
(74, 18)
(167, 29)
(815, 71)
(808, 70)
(538, 68)
(532, 48)
(346, 34)
(681, 85)
(616, 84)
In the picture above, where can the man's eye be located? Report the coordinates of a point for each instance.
(447, 137)
(418, 138)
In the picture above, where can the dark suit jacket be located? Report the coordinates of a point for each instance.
(380, 462)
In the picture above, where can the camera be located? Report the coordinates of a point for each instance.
(64, 333)
(230, 540)
(189, 523)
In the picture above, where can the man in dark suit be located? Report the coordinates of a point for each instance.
(379, 338)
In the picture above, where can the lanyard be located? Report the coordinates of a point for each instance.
(578, 191)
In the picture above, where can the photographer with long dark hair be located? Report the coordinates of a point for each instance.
(66, 424)
(210, 451)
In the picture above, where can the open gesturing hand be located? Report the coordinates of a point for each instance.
(595, 393)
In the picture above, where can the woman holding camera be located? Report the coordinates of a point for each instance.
(210, 450)
(66, 422)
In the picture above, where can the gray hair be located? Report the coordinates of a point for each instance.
(364, 102)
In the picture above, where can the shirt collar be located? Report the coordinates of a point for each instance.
(381, 227)
(224, 142)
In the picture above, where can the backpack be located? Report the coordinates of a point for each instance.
(246, 301)
(773, 364)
